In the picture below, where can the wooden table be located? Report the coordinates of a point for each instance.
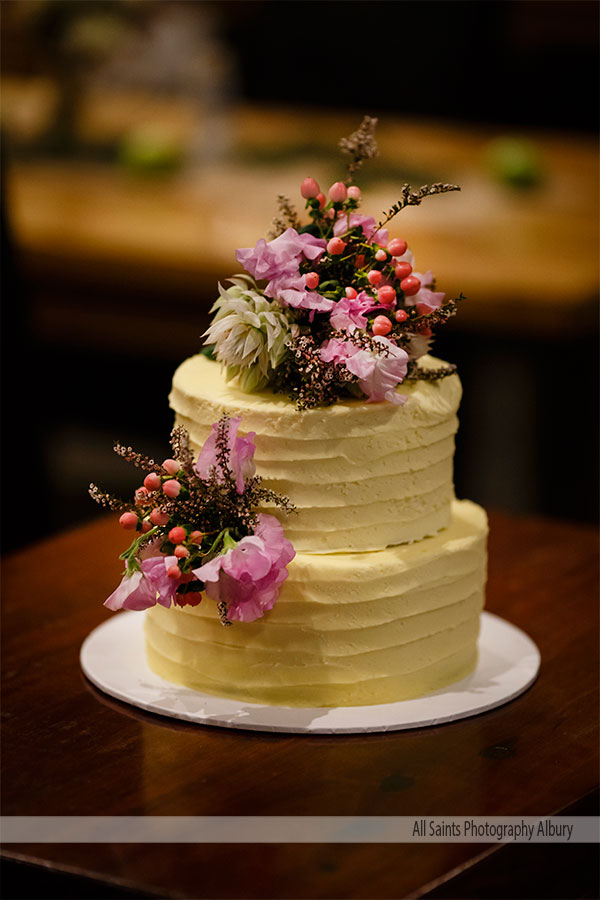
(70, 750)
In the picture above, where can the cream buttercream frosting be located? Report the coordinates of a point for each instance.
(348, 628)
(383, 598)
(361, 475)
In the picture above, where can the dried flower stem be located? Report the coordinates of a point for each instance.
(138, 459)
(415, 373)
(414, 198)
(222, 610)
(360, 146)
(287, 217)
(109, 501)
(180, 444)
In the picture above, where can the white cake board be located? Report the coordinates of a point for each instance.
(113, 658)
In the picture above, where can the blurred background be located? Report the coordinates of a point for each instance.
(144, 141)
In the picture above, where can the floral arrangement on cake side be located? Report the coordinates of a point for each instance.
(333, 307)
(197, 529)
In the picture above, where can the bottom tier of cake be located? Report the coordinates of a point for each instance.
(348, 629)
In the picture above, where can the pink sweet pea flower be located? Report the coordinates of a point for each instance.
(432, 299)
(367, 223)
(337, 351)
(347, 314)
(241, 455)
(281, 256)
(134, 592)
(247, 578)
(150, 586)
(292, 291)
(292, 243)
(263, 261)
(378, 374)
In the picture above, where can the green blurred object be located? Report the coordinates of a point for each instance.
(147, 152)
(515, 162)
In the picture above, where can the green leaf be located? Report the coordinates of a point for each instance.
(228, 541)
(209, 351)
(191, 587)
(310, 229)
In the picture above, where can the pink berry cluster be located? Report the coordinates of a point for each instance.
(150, 512)
(360, 258)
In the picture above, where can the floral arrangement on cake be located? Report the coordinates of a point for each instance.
(333, 307)
(197, 529)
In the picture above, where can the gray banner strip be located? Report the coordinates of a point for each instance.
(298, 829)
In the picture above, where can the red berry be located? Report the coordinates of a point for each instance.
(410, 285)
(351, 293)
(336, 246)
(309, 188)
(359, 260)
(174, 572)
(196, 537)
(381, 325)
(177, 535)
(311, 279)
(386, 295)
(354, 192)
(146, 526)
(141, 494)
(397, 247)
(181, 552)
(128, 520)
(403, 270)
(159, 518)
(171, 488)
(338, 192)
(322, 200)
(152, 481)
(374, 276)
(401, 315)
(171, 466)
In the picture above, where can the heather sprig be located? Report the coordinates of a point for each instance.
(309, 381)
(180, 444)
(286, 217)
(419, 373)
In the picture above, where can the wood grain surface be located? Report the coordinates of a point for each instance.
(70, 750)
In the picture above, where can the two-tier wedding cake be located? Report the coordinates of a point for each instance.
(319, 515)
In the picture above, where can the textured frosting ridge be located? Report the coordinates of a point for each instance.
(383, 599)
(348, 628)
(362, 476)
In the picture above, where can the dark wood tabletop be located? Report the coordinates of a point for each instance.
(71, 750)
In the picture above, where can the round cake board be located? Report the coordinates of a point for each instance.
(113, 658)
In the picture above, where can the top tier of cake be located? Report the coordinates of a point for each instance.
(363, 476)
